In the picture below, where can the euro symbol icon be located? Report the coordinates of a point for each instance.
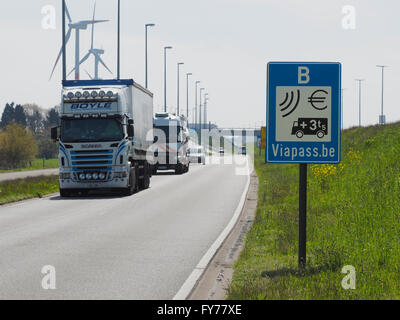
(318, 99)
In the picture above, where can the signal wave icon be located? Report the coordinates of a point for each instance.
(289, 106)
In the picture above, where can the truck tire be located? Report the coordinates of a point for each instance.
(64, 193)
(132, 188)
(179, 168)
(144, 183)
(299, 134)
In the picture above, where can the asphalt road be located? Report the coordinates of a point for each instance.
(26, 174)
(138, 247)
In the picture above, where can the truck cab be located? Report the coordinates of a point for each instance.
(171, 143)
(104, 137)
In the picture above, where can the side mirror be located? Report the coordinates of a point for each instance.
(54, 133)
(131, 131)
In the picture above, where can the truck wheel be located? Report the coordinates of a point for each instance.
(144, 183)
(179, 168)
(65, 193)
(299, 134)
(132, 188)
(320, 134)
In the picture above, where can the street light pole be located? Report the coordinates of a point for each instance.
(195, 105)
(64, 59)
(200, 122)
(382, 119)
(146, 26)
(187, 95)
(178, 85)
(119, 42)
(359, 100)
(165, 77)
(205, 107)
(200, 118)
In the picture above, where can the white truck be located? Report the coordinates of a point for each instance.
(105, 137)
(171, 138)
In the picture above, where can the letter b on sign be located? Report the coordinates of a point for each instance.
(304, 75)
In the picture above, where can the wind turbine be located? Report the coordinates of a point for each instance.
(95, 52)
(77, 26)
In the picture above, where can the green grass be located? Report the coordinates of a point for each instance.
(37, 164)
(353, 219)
(21, 189)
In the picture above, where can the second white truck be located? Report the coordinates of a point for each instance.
(171, 138)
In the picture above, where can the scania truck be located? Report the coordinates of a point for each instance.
(105, 137)
(171, 138)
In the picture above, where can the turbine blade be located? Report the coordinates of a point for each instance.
(87, 22)
(91, 78)
(67, 12)
(102, 62)
(80, 62)
(61, 51)
(94, 14)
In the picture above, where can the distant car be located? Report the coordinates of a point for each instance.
(197, 155)
(221, 150)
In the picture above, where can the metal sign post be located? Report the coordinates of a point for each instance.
(303, 122)
(302, 215)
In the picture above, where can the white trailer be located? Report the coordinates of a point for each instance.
(171, 137)
(105, 136)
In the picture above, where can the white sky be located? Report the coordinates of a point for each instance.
(224, 43)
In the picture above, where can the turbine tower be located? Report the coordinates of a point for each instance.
(95, 52)
(77, 26)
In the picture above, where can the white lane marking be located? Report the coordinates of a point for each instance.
(198, 271)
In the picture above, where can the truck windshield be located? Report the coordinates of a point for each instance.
(164, 132)
(77, 130)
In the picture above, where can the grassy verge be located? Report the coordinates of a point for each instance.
(22, 189)
(37, 164)
(353, 219)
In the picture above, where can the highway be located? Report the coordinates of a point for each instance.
(108, 247)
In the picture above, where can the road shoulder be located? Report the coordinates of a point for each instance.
(217, 277)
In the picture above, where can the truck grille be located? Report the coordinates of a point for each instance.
(85, 158)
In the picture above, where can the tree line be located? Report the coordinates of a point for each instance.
(25, 134)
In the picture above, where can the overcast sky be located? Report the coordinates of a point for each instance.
(226, 44)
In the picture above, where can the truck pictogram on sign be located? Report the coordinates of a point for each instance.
(310, 126)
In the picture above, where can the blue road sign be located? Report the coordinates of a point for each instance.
(303, 112)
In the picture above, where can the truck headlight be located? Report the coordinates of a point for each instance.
(102, 176)
(82, 176)
(88, 176)
(95, 176)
